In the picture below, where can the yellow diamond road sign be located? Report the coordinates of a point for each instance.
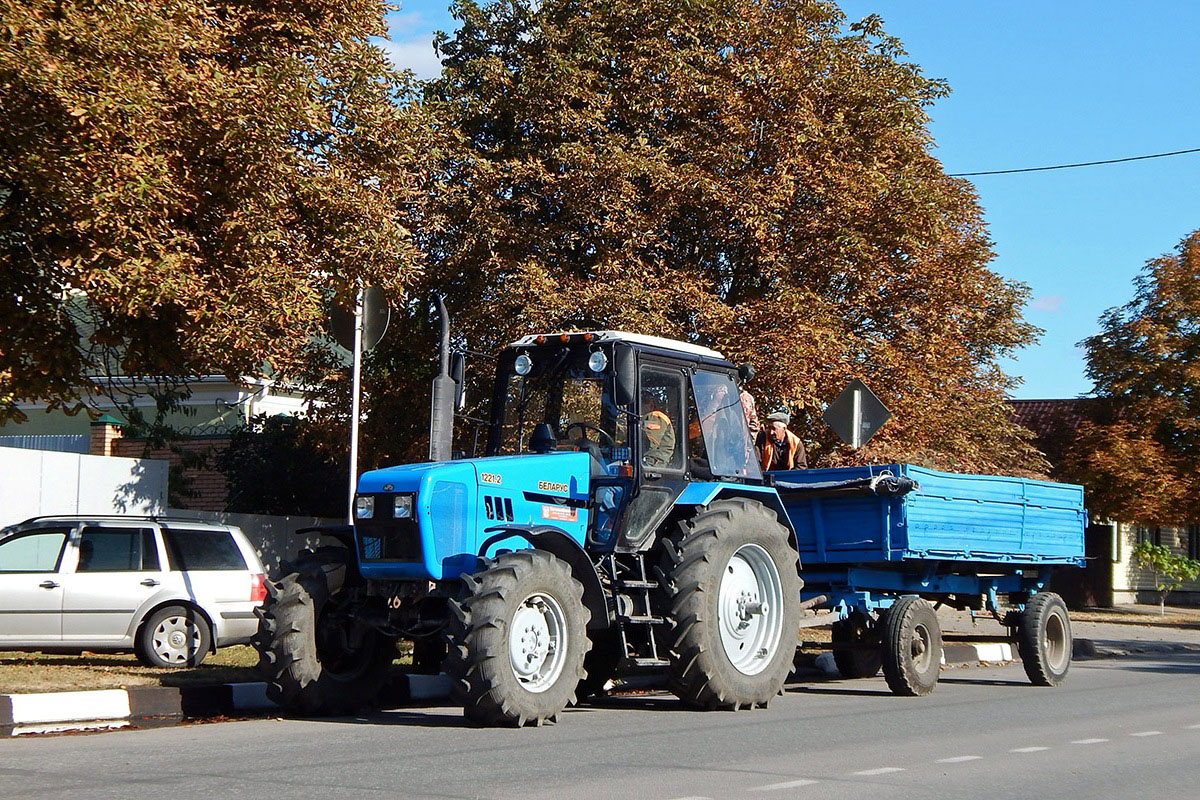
(857, 414)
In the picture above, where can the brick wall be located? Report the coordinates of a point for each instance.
(206, 488)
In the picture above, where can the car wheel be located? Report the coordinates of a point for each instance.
(174, 636)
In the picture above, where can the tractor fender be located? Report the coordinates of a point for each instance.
(559, 544)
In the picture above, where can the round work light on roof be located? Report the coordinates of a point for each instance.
(523, 364)
(597, 361)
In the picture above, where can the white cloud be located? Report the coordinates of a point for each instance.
(415, 54)
(1049, 302)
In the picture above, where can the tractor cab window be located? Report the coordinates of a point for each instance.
(575, 401)
(661, 411)
(722, 425)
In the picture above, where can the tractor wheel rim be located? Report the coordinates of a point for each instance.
(176, 639)
(537, 642)
(921, 647)
(750, 609)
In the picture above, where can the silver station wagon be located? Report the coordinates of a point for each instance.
(171, 591)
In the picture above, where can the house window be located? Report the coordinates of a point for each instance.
(1145, 534)
(1194, 542)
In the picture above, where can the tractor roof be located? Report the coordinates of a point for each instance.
(660, 342)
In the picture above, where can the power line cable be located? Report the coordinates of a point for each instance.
(1072, 166)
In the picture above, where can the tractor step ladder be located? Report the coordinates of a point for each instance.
(638, 590)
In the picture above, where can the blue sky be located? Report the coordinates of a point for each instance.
(1034, 84)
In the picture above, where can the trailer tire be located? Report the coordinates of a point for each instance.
(518, 638)
(912, 647)
(858, 629)
(315, 660)
(1044, 639)
(732, 596)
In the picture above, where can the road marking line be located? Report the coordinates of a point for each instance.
(958, 759)
(692, 797)
(1193, 727)
(774, 787)
(1029, 749)
(879, 771)
(1147, 733)
(1089, 741)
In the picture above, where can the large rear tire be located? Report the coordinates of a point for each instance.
(1044, 639)
(518, 638)
(316, 659)
(733, 599)
(912, 647)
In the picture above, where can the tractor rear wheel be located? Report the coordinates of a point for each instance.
(1044, 639)
(518, 638)
(315, 657)
(733, 594)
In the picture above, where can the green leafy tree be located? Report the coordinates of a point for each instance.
(285, 465)
(1171, 570)
(751, 175)
(1140, 457)
(183, 182)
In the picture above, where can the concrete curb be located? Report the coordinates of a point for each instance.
(146, 706)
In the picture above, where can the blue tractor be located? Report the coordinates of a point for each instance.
(618, 522)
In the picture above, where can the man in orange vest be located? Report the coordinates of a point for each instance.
(779, 448)
(658, 433)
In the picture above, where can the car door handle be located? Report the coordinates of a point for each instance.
(48, 585)
(149, 582)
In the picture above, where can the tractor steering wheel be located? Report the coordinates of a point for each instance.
(585, 426)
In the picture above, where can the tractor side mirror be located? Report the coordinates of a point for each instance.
(625, 375)
(457, 374)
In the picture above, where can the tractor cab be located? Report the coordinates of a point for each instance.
(653, 416)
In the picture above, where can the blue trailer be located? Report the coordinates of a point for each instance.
(880, 543)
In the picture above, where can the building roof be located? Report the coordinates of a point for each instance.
(1053, 422)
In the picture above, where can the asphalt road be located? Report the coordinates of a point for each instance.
(1121, 728)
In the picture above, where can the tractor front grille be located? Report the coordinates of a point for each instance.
(395, 540)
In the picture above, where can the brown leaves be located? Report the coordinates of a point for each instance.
(204, 174)
(741, 173)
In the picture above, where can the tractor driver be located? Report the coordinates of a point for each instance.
(658, 432)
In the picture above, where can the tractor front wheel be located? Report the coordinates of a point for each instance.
(518, 638)
(315, 656)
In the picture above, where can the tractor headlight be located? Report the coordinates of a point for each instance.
(597, 361)
(523, 364)
(403, 508)
(364, 507)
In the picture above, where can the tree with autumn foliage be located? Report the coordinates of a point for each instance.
(755, 176)
(1140, 455)
(183, 184)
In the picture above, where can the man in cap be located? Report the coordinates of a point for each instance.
(779, 448)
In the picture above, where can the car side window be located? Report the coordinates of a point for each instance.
(117, 550)
(33, 551)
(203, 550)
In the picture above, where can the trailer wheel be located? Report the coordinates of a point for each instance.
(518, 637)
(733, 596)
(316, 658)
(1044, 639)
(912, 647)
(858, 629)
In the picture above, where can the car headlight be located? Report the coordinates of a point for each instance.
(597, 361)
(364, 507)
(403, 508)
(523, 364)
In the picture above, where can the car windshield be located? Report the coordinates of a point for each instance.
(561, 391)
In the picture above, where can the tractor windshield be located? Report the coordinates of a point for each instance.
(575, 401)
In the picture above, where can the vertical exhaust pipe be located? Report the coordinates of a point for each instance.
(441, 417)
